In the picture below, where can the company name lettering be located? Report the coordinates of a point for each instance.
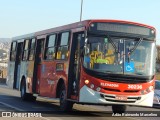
(110, 85)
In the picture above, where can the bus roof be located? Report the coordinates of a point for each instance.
(75, 25)
(31, 35)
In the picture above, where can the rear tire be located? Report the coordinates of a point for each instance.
(64, 104)
(31, 98)
(119, 109)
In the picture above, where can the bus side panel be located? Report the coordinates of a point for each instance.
(30, 68)
(23, 73)
(46, 73)
(51, 72)
(61, 69)
(10, 78)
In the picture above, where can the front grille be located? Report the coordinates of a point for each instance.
(134, 98)
(131, 91)
(120, 101)
(112, 98)
(109, 89)
(126, 91)
(109, 96)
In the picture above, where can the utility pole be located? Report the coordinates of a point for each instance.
(81, 10)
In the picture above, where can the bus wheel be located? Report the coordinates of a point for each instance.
(64, 104)
(23, 90)
(119, 108)
(31, 98)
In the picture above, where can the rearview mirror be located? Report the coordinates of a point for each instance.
(87, 50)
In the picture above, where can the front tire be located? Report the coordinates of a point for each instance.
(64, 104)
(26, 96)
(31, 98)
(119, 109)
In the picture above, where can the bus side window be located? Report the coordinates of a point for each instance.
(41, 46)
(25, 50)
(63, 52)
(13, 51)
(50, 48)
(32, 49)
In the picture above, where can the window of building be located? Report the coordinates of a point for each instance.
(62, 52)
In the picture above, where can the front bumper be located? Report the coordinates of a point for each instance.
(87, 95)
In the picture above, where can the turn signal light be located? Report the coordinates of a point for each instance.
(149, 89)
(86, 82)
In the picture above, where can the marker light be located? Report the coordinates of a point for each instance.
(92, 25)
(152, 31)
(86, 82)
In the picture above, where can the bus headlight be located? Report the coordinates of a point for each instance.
(98, 89)
(143, 92)
(92, 86)
(149, 89)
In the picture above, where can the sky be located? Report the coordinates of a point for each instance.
(18, 17)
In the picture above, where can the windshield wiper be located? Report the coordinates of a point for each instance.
(139, 73)
(132, 50)
(105, 71)
(110, 39)
(108, 71)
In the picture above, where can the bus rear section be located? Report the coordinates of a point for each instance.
(118, 65)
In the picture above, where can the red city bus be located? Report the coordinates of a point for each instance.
(102, 62)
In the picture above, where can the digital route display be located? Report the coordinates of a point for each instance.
(121, 28)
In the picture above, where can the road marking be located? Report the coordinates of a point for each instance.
(133, 118)
(45, 118)
(11, 106)
(18, 109)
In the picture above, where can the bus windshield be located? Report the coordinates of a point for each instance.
(119, 55)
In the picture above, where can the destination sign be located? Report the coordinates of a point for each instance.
(122, 28)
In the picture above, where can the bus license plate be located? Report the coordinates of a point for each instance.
(122, 98)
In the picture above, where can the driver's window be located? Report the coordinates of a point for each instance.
(98, 50)
(109, 53)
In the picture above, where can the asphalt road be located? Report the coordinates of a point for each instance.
(43, 109)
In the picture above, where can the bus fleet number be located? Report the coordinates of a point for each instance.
(134, 86)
